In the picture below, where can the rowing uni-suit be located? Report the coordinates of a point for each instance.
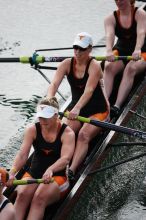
(46, 154)
(97, 106)
(3, 203)
(126, 42)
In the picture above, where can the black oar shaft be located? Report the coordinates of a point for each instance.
(110, 126)
(67, 48)
(122, 129)
(9, 60)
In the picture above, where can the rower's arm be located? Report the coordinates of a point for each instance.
(109, 25)
(141, 28)
(23, 153)
(60, 73)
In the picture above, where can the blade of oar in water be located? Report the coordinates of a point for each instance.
(29, 181)
(67, 48)
(110, 126)
(41, 59)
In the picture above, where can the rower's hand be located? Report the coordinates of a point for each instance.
(110, 57)
(10, 180)
(136, 55)
(73, 113)
(47, 176)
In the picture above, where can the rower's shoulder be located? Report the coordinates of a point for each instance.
(30, 128)
(109, 17)
(65, 63)
(140, 12)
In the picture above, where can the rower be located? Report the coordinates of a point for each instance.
(53, 143)
(85, 77)
(128, 24)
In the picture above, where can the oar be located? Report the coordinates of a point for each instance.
(29, 181)
(4, 177)
(110, 126)
(67, 48)
(41, 59)
(47, 79)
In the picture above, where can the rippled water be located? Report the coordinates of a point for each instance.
(30, 25)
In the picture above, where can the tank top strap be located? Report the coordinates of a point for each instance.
(134, 11)
(62, 130)
(116, 14)
(88, 64)
(71, 66)
(38, 129)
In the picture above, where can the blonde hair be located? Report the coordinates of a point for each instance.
(50, 101)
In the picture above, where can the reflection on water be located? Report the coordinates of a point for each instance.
(26, 108)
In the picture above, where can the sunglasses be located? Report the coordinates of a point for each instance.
(79, 48)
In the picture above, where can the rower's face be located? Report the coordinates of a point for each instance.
(122, 4)
(81, 52)
(48, 122)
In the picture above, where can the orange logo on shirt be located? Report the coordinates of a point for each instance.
(47, 151)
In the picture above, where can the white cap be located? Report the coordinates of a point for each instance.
(83, 40)
(46, 111)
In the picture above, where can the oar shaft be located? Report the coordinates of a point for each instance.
(68, 48)
(42, 59)
(110, 126)
(117, 128)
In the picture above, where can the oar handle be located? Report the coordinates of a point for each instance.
(104, 58)
(29, 181)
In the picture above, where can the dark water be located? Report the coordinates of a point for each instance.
(118, 193)
(29, 25)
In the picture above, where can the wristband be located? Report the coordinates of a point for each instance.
(13, 170)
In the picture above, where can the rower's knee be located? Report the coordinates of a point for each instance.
(110, 70)
(39, 200)
(83, 136)
(130, 70)
(22, 195)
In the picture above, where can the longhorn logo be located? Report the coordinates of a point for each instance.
(81, 37)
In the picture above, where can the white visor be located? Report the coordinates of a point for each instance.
(46, 111)
(83, 40)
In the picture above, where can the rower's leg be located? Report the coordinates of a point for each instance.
(86, 133)
(133, 68)
(45, 195)
(110, 71)
(73, 124)
(24, 196)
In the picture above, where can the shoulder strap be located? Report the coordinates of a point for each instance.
(134, 11)
(87, 67)
(115, 13)
(38, 129)
(62, 129)
(71, 66)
